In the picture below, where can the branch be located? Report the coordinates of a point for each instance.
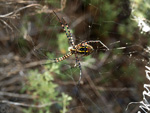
(16, 95)
(28, 105)
(13, 13)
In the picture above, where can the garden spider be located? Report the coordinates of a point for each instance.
(84, 48)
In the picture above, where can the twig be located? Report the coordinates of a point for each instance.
(114, 89)
(93, 87)
(6, 24)
(16, 95)
(28, 105)
(36, 63)
(10, 81)
(11, 14)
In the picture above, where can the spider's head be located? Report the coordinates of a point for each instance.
(72, 49)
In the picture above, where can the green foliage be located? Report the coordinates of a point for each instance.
(107, 15)
(117, 51)
(113, 16)
(23, 46)
(141, 8)
(42, 87)
(132, 71)
(63, 75)
(65, 102)
(63, 43)
(54, 3)
(101, 55)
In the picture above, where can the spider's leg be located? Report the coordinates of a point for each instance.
(82, 43)
(69, 36)
(58, 59)
(96, 41)
(79, 64)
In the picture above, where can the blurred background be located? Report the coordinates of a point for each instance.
(31, 35)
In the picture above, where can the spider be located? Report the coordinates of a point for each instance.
(84, 48)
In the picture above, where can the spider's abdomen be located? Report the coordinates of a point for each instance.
(81, 49)
(85, 49)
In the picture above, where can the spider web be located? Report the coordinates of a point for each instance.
(111, 78)
(114, 73)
